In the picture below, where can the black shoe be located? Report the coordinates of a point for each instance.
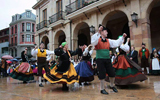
(24, 82)
(104, 92)
(65, 88)
(114, 89)
(40, 85)
(86, 83)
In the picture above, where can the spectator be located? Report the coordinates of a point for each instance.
(133, 55)
(144, 55)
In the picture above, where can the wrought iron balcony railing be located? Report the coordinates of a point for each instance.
(58, 16)
(13, 44)
(78, 4)
(42, 24)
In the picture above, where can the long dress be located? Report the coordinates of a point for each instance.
(155, 67)
(127, 71)
(84, 68)
(23, 76)
(64, 72)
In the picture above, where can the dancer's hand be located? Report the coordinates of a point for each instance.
(128, 39)
(35, 47)
(100, 29)
(60, 46)
(124, 35)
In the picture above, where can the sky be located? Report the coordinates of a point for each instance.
(9, 8)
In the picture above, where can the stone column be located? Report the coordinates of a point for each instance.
(50, 39)
(146, 33)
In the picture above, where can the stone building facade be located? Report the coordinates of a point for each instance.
(70, 20)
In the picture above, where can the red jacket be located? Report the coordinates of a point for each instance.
(146, 53)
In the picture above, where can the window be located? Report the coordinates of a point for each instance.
(12, 18)
(15, 40)
(28, 14)
(59, 5)
(28, 51)
(32, 38)
(28, 38)
(15, 52)
(6, 40)
(28, 27)
(45, 14)
(12, 40)
(12, 30)
(5, 50)
(16, 17)
(22, 38)
(7, 32)
(32, 27)
(15, 28)
(22, 27)
(12, 52)
(2, 41)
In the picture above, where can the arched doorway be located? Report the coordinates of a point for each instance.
(82, 33)
(116, 23)
(45, 41)
(155, 25)
(59, 38)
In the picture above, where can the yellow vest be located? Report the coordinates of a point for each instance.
(40, 54)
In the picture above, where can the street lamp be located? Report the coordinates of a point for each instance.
(134, 17)
(92, 29)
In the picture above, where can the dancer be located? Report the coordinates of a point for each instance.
(104, 65)
(42, 63)
(155, 68)
(127, 71)
(84, 68)
(23, 72)
(64, 72)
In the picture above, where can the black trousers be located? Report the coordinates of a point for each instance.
(41, 66)
(105, 66)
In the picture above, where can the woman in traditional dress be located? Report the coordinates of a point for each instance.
(84, 68)
(24, 71)
(64, 72)
(155, 68)
(127, 71)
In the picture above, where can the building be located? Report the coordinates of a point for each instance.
(22, 31)
(70, 20)
(4, 42)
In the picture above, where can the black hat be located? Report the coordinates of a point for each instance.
(104, 28)
(100, 25)
(143, 43)
(42, 42)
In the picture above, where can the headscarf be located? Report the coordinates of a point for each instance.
(63, 44)
(153, 50)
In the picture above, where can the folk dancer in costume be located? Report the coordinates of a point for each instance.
(41, 54)
(155, 68)
(64, 72)
(84, 68)
(24, 71)
(127, 71)
(104, 65)
(144, 55)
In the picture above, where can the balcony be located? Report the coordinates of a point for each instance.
(82, 7)
(58, 16)
(78, 4)
(43, 24)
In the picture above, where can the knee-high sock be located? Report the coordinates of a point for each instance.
(40, 79)
(112, 79)
(102, 84)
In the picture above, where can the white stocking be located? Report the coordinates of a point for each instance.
(102, 84)
(111, 79)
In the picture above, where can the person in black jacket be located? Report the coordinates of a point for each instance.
(133, 55)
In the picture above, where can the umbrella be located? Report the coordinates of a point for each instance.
(18, 58)
(9, 62)
(7, 57)
(13, 60)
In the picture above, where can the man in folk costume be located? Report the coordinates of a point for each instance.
(41, 60)
(144, 55)
(104, 65)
